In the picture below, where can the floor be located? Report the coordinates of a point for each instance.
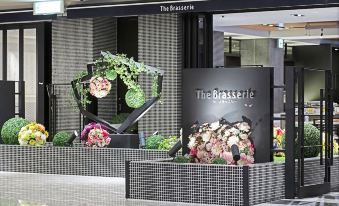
(22, 189)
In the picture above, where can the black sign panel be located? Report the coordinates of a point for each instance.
(230, 93)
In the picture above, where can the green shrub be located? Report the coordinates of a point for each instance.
(182, 159)
(219, 161)
(153, 141)
(311, 138)
(61, 139)
(11, 129)
(168, 143)
(120, 118)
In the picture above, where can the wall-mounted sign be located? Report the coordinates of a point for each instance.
(48, 7)
(176, 8)
(230, 93)
(281, 43)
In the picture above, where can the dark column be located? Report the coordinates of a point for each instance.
(198, 40)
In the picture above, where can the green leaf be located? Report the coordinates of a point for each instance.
(111, 74)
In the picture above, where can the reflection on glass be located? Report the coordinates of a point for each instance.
(1, 55)
(13, 55)
(30, 74)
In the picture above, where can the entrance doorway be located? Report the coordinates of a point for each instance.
(24, 53)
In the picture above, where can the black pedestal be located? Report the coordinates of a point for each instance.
(124, 141)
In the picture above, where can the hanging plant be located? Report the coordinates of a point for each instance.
(99, 86)
(108, 68)
(135, 98)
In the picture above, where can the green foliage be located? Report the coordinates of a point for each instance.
(153, 141)
(168, 143)
(82, 89)
(111, 75)
(110, 67)
(61, 138)
(311, 138)
(11, 129)
(120, 118)
(182, 159)
(135, 98)
(219, 161)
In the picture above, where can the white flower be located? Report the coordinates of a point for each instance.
(234, 131)
(191, 143)
(206, 136)
(232, 140)
(215, 125)
(243, 136)
(208, 147)
(23, 142)
(244, 127)
(43, 137)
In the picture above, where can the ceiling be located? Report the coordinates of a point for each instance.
(28, 4)
(24, 4)
(304, 25)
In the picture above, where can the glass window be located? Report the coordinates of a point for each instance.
(13, 55)
(30, 74)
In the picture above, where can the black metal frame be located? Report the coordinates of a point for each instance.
(131, 119)
(295, 77)
(43, 44)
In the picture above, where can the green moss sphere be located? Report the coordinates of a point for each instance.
(11, 129)
(135, 98)
(61, 139)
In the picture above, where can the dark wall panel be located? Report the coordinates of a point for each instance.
(7, 109)
(318, 56)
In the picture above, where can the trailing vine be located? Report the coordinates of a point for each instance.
(82, 89)
(110, 67)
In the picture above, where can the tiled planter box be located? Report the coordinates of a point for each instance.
(315, 173)
(105, 162)
(206, 184)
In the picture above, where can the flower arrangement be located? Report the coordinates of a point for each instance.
(99, 86)
(278, 140)
(211, 142)
(33, 134)
(95, 135)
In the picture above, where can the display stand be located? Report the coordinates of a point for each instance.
(118, 136)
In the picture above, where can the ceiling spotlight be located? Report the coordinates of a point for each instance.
(298, 15)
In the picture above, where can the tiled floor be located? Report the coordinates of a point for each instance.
(22, 189)
(331, 199)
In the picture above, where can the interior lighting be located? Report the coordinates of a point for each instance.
(48, 7)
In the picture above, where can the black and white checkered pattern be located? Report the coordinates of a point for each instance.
(203, 183)
(159, 45)
(105, 162)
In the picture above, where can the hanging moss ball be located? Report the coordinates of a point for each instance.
(135, 98)
(11, 129)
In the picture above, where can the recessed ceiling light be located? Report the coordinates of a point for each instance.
(298, 15)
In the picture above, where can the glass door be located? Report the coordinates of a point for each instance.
(25, 60)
